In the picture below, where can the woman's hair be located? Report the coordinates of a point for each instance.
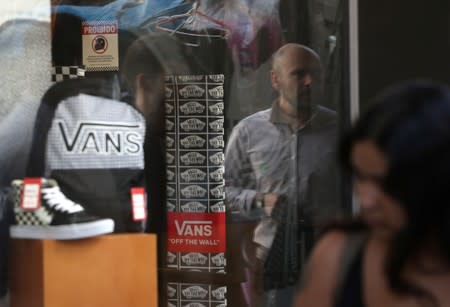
(410, 124)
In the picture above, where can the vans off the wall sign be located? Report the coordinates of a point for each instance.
(195, 191)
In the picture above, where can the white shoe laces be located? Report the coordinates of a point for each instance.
(56, 199)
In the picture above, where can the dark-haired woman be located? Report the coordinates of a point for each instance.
(396, 252)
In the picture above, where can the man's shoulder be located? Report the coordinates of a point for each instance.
(325, 117)
(256, 118)
(326, 113)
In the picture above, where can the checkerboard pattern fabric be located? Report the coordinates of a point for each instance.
(23, 217)
(60, 73)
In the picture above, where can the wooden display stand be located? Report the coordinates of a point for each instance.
(107, 271)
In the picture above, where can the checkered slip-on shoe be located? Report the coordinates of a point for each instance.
(57, 218)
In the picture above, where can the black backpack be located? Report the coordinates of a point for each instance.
(93, 146)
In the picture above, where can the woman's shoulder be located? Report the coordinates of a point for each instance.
(329, 249)
(338, 240)
(321, 276)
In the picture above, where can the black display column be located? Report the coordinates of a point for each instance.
(401, 40)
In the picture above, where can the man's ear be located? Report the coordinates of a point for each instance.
(275, 79)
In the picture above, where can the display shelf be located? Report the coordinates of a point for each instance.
(114, 270)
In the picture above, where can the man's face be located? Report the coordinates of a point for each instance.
(296, 77)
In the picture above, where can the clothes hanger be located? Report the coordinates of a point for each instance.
(193, 17)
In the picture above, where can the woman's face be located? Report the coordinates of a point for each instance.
(381, 212)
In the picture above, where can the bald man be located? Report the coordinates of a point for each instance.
(279, 168)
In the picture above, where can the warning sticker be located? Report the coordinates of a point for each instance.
(100, 45)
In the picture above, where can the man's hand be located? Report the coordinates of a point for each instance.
(270, 200)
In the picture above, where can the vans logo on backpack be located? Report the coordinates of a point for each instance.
(104, 138)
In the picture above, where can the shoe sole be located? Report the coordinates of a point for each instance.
(63, 232)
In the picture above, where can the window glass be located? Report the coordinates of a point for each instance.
(210, 123)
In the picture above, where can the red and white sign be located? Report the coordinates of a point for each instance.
(196, 232)
(31, 194)
(139, 203)
(100, 45)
